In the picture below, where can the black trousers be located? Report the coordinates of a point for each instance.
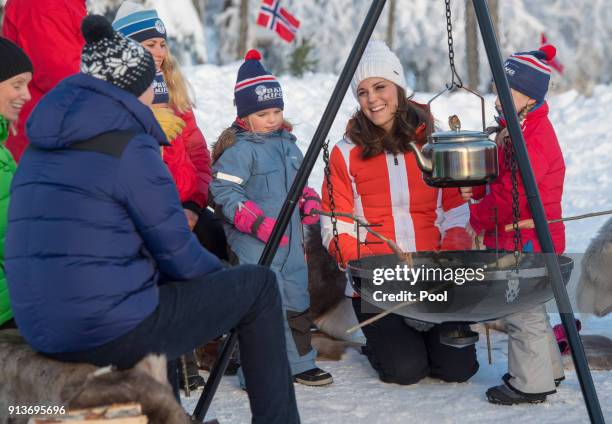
(402, 355)
(191, 313)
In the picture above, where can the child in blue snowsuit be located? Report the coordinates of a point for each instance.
(255, 163)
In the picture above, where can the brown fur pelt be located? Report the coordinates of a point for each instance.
(598, 350)
(29, 378)
(326, 282)
(594, 291)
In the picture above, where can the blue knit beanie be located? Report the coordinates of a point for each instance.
(528, 72)
(139, 24)
(256, 88)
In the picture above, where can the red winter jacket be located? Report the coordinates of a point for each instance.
(188, 160)
(50, 33)
(549, 169)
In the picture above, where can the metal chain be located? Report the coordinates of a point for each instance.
(332, 203)
(451, 51)
(511, 164)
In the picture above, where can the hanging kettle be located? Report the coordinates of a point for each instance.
(457, 158)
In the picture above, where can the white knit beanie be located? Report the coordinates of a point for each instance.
(378, 61)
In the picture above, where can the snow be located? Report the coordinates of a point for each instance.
(357, 396)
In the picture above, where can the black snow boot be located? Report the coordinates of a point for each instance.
(314, 377)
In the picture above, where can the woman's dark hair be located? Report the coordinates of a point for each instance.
(374, 139)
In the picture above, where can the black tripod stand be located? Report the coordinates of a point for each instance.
(533, 197)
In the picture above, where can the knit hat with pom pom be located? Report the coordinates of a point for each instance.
(256, 88)
(111, 57)
(529, 73)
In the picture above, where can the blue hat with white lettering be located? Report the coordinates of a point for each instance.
(139, 24)
(256, 88)
(529, 72)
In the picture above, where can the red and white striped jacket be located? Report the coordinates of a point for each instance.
(388, 190)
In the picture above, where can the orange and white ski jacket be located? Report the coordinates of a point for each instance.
(388, 191)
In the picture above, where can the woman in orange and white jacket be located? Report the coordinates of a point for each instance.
(374, 175)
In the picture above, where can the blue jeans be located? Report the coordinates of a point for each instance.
(191, 313)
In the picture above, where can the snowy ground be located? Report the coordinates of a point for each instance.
(357, 396)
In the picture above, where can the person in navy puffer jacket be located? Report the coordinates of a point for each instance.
(101, 264)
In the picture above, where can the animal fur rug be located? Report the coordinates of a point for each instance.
(594, 292)
(29, 378)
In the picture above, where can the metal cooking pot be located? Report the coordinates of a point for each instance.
(457, 158)
(503, 290)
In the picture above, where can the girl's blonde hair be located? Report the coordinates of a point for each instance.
(178, 87)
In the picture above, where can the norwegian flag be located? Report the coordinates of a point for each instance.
(276, 18)
(554, 63)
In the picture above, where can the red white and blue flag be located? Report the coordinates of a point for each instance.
(274, 17)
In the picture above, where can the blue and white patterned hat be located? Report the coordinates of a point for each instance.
(139, 24)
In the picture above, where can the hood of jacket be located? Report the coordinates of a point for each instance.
(82, 107)
(229, 136)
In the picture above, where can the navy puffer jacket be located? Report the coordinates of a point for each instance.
(90, 233)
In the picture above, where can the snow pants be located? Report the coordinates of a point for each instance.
(534, 360)
(191, 313)
(403, 355)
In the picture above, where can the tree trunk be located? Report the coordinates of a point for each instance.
(494, 10)
(391, 23)
(244, 28)
(471, 45)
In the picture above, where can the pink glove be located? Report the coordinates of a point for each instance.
(561, 337)
(310, 200)
(250, 219)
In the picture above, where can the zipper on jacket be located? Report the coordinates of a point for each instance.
(395, 159)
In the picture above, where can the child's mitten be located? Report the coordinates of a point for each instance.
(561, 337)
(169, 122)
(250, 219)
(310, 200)
(456, 238)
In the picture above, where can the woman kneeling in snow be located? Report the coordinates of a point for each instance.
(375, 176)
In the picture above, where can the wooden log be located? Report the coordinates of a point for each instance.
(130, 413)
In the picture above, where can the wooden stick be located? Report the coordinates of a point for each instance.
(487, 332)
(404, 256)
(379, 316)
(183, 362)
(526, 224)
(391, 310)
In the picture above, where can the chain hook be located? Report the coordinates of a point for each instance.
(451, 52)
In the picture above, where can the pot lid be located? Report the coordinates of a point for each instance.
(458, 136)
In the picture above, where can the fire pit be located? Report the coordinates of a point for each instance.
(494, 287)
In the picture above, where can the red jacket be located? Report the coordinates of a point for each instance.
(549, 169)
(388, 190)
(188, 160)
(50, 33)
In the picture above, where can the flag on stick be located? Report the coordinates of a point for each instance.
(276, 18)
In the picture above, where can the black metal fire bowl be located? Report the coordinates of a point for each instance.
(501, 291)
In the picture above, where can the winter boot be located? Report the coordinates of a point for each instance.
(314, 377)
(505, 394)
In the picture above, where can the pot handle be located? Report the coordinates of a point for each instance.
(452, 88)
